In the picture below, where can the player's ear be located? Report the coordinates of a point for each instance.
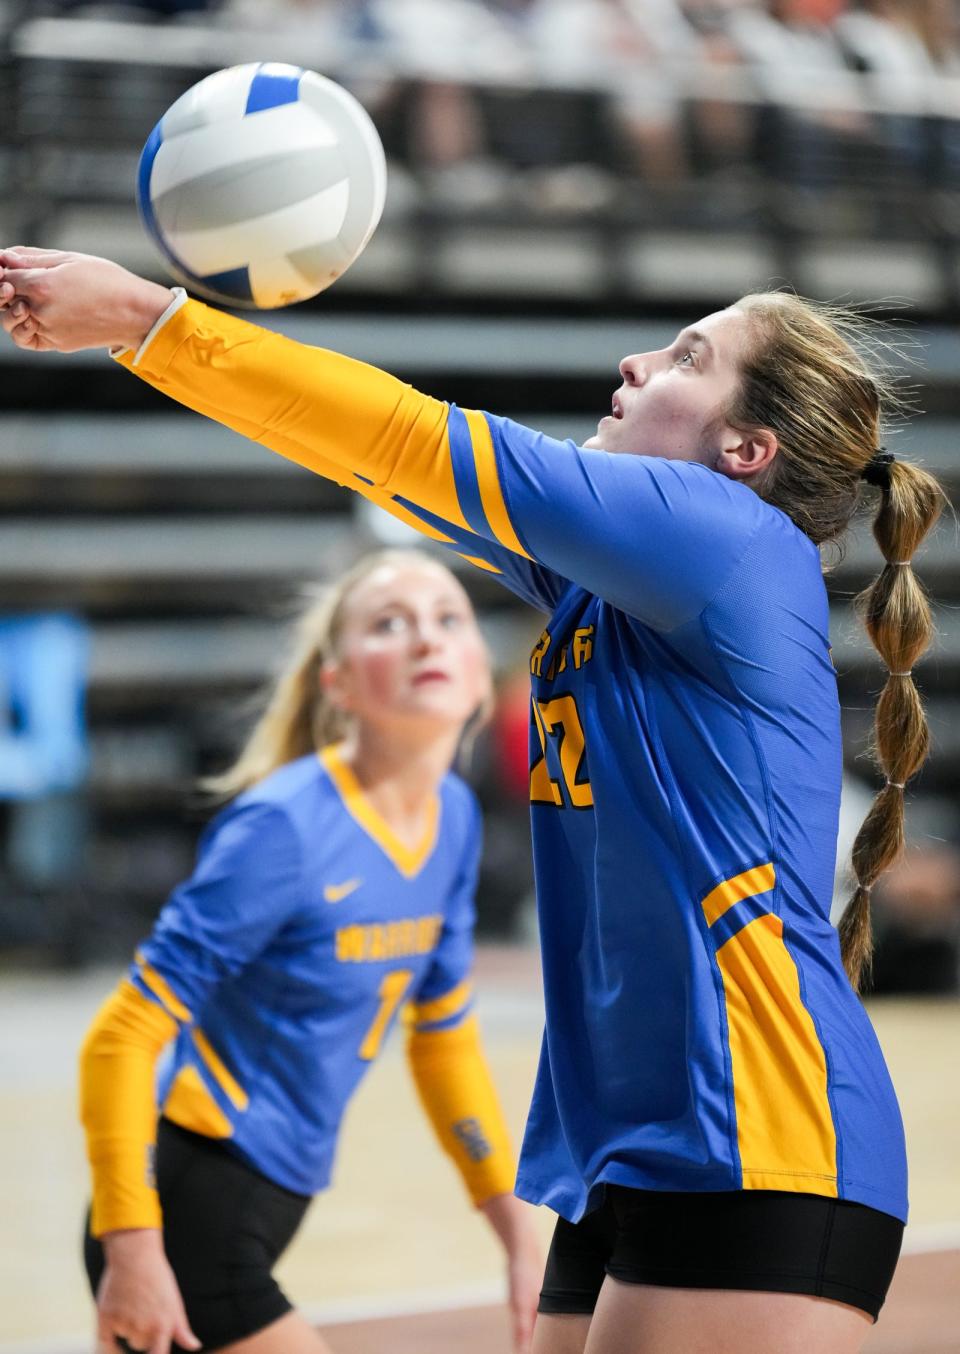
(331, 684)
(745, 454)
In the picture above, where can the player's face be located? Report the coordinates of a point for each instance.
(669, 401)
(410, 651)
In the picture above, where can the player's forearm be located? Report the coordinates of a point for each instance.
(508, 1217)
(139, 310)
(131, 1241)
(118, 1111)
(325, 411)
(457, 1092)
(292, 451)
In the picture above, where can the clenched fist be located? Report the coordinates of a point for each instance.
(52, 301)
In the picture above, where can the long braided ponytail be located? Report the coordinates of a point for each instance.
(828, 438)
(896, 614)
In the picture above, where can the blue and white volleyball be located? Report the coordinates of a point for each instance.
(262, 184)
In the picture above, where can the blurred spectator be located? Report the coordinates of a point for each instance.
(437, 121)
(633, 47)
(572, 61)
(793, 48)
(917, 923)
(902, 38)
(314, 24)
(900, 45)
(449, 40)
(813, 130)
(719, 123)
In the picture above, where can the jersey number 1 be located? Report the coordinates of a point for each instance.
(391, 993)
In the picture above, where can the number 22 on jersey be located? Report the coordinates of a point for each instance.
(558, 720)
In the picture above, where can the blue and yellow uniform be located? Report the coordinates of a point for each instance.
(278, 968)
(701, 1034)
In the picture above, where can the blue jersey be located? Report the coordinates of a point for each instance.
(701, 1033)
(685, 779)
(287, 954)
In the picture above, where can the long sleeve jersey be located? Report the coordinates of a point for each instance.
(685, 776)
(277, 969)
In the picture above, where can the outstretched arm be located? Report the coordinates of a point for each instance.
(635, 530)
(54, 301)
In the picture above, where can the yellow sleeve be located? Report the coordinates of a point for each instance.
(338, 417)
(118, 1107)
(457, 1092)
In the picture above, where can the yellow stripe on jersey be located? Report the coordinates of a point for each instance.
(488, 478)
(408, 860)
(428, 1012)
(457, 1092)
(219, 1071)
(480, 563)
(746, 885)
(162, 990)
(393, 988)
(785, 1128)
(402, 514)
(190, 1104)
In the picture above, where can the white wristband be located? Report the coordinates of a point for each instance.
(179, 298)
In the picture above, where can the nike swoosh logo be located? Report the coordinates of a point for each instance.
(335, 893)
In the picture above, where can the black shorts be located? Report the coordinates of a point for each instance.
(763, 1240)
(224, 1227)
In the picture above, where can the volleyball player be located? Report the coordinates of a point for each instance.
(712, 1119)
(331, 891)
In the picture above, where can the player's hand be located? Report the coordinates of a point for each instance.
(138, 1297)
(511, 1220)
(52, 301)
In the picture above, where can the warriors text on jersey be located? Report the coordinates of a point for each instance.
(686, 763)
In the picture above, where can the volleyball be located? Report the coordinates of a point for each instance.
(262, 184)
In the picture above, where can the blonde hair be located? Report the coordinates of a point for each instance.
(298, 718)
(803, 378)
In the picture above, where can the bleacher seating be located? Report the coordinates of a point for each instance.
(562, 213)
(185, 547)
